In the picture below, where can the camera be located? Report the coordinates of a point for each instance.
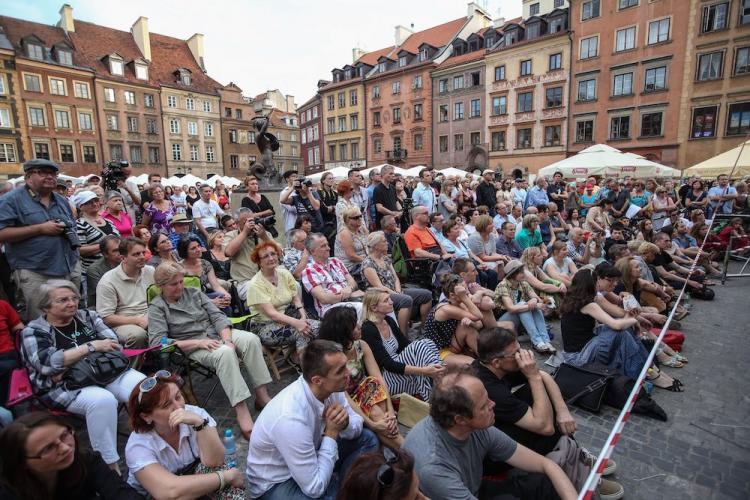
(70, 233)
(300, 182)
(113, 173)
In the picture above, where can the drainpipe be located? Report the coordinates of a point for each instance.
(570, 92)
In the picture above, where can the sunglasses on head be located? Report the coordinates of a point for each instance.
(386, 475)
(148, 384)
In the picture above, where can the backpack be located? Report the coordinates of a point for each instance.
(398, 258)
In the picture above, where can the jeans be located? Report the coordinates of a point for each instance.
(349, 451)
(532, 321)
(616, 349)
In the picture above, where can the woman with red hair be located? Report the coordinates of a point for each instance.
(345, 190)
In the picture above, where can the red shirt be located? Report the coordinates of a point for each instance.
(415, 237)
(8, 320)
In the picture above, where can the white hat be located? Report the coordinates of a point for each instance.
(82, 197)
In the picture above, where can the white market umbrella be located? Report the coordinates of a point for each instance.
(339, 173)
(188, 179)
(231, 181)
(603, 160)
(723, 163)
(397, 170)
(140, 179)
(414, 171)
(452, 171)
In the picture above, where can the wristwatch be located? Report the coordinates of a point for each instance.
(198, 428)
(91, 347)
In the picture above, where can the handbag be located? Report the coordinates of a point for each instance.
(98, 368)
(584, 387)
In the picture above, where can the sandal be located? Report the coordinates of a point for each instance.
(675, 386)
(673, 362)
(680, 315)
(679, 357)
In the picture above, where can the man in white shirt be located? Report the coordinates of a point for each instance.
(206, 212)
(307, 432)
(424, 194)
(360, 196)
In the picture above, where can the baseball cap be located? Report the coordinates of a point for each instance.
(82, 197)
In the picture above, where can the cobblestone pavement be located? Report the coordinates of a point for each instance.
(702, 452)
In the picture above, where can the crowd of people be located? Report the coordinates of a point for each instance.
(423, 286)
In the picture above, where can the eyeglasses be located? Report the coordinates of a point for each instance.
(509, 354)
(66, 300)
(386, 475)
(149, 383)
(44, 173)
(66, 437)
(356, 217)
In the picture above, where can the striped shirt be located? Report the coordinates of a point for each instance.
(331, 276)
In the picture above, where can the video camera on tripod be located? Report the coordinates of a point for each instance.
(113, 172)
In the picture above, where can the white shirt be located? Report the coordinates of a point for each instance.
(207, 213)
(146, 448)
(288, 212)
(425, 196)
(288, 441)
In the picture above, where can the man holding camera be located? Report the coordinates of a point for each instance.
(305, 201)
(239, 245)
(39, 233)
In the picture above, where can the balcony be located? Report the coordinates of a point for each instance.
(396, 155)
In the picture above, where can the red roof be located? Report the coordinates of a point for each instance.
(168, 54)
(16, 29)
(437, 36)
(463, 58)
(371, 58)
(275, 116)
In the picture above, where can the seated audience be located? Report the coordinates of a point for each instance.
(529, 235)
(617, 237)
(91, 227)
(545, 225)
(689, 246)
(374, 476)
(518, 303)
(308, 431)
(109, 247)
(117, 215)
(645, 231)
(506, 243)
(174, 450)
(740, 241)
(481, 296)
(451, 444)
(351, 241)
(239, 245)
(296, 256)
(391, 229)
(598, 219)
(671, 272)
(583, 252)
(546, 287)
(419, 239)
(483, 246)
(559, 266)
(406, 366)
(10, 325)
(216, 256)
(191, 251)
(194, 324)
(180, 228)
(121, 295)
(366, 390)
(59, 338)
(42, 458)
(161, 249)
(279, 317)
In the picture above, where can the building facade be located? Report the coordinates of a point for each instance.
(311, 143)
(628, 64)
(285, 126)
(237, 133)
(527, 97)
(715, 103)
(12, 117)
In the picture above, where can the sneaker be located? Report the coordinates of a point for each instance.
(550, 348)
(542, 348)
(610, 490)
(590, 459)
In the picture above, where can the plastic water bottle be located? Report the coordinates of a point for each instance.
(648, 386)
(686, 301)
(163, 354)
(230, 449)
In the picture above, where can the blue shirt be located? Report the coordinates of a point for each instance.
(536, 196)
(51, 255)
(424, 196)
(718, 206)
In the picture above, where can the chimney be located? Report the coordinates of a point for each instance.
(66, 19)
(497, 23)
(356, 54)
(141, 36)
(195, 43)
(290, 106)
(402, 33)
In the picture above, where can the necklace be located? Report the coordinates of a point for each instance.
(273, 280)
(74, 337)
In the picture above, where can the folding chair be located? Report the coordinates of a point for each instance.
(412, 272)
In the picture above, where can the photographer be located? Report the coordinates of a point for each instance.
(39, 233)
(260, 206)
(115, 178)
(239, 247)
(305, 201)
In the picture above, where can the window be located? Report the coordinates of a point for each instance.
(375, 94)
(62, 119)
(233, 136)
(658, 31)
(116, 67)
(555, 61)
(331, 126)
(210, 156)
(458, 142)
(234, 160)
(353, 98)
(625, 39)
(526, 67)
(109, 95)
(36, 117)
(207, 107)
(396, 88)
(190, 104)
(458, 82)
(377, 146)
(112, 123)
(499, 105)
(423, 55)
(623, 84)
(417, 112)
(66, 153)
(251, 137)
(81, 90)
(194, 153)
(498, 141)
(523, 137)
(343, 150)
(85, 121)
(396, 115)
(742, 61)
(554, 97)
(355, 151)
(475, 108)
(153, 154)
(525, 102)
(176, 152)
(332, 151)
(330, 102)
(227, 112)
(417, 83)
(376, 119)
(342, 99)
(401, 61)
(354, 122)
(150, 125)
(4, 118)
(499, 73)
(624, 4)
(704, 122)
(475, 138)
(129, 97)
(739, 119)
(552, 135)
(443, 113)
(656, 79)
(715, 17)
(342, 124)
(174, 126)
(443, 143)
(148, 100)
(172, 101)
(185, 77)
(475, 77)
(619, 127)
(208, 130)
(135, 154)
(115, 152)
(587, 90)
(558, 3)
(35, 51)
(651, 124)
(32, 83)
(192, 128)
(710, 66)
(41, 150)
(590, 9)
(533, 9)
(238, 114)
(458, 111)
(57, 86)
(443, 86)
(585, 131)
(7, 153)
(589, 47)
(745, 12)
(141, 72)
(89, 154)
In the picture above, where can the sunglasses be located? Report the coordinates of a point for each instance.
(149, 383)
(386, 475)
(355, 217)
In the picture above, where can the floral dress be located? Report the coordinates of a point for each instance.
(365, 390)
(160, 219)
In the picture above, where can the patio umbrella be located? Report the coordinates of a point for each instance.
(724, 163)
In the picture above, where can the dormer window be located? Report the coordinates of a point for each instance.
(116, 67)
(532, 30)
(65, 57)
(185, 77)
(401, 61)
(381, 67)
(489, 42)
(141, 71)
(422, 55)
(347, 74)
(35, 51)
